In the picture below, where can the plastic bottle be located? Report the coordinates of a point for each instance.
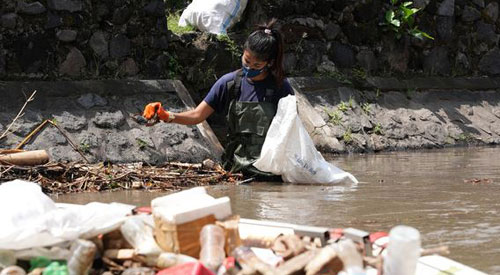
(82, 257)
(212, 246)
(350, 257)
(403, 251)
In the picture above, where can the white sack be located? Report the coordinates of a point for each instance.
(289, 151)
(29, 218)
(214, 16)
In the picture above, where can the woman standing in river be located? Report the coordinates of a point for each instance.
(248, 97)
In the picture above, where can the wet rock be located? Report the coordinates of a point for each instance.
(90, 100)
(31, 8)
(490, 62)
(331, 31)
(479, 3)
(342, 55)
(462, 62)
(160, 42)
(289, 62)
(66, 5)
(53, 20)
(444, 26)
(71, 122)
(157, 66)
(62, 153)
(366, 11)
(24, 125)
(486, 33)
(161, 25)
(119, 46)
(101, 11)
(421, 4)
(74, 63)
(491, 12)
(141, 138)
(121, 15)
(66, 35)
(155, 8)
(436, 133)
(2, 64)
(109, 119)
(129, 67)
(169, 135)
(9, 20)
(446, 8)
(326, 66)
(470, 14)
(88, 140)
(437, 62)
(116, 140)
(367, 60)
(311, 56)
(398, 60)
(99, 43)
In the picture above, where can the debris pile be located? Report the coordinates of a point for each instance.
(79, 177)
(188, 232)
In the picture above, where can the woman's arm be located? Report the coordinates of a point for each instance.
(195, 116)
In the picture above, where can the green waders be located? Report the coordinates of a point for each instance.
(248, 123)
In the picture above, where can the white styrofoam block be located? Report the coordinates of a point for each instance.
(195, 208)
(177, 197)
(435, 264)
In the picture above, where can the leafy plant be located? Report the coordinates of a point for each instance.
(174, 67)
(84, 147)
(347, 137)
(377, 129)
(334, 117)
(173, 24)
(366, 107)
(350, 103)
(231, 46)
(400, 18)
(141, 143)
(343, 107)
(298, 48)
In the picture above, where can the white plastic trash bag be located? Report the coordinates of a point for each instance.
(289, 151)
(214, 16)
(29, 218)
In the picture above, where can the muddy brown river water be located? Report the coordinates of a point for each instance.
(452, 196)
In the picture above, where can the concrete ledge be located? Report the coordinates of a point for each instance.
(97, 117)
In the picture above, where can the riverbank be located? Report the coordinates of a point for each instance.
(362, 116)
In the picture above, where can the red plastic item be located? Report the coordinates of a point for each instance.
(196, 268)
(377, 235)
(142, 209)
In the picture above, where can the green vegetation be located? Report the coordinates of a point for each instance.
(173, 24)
(344, 106)
(347, 137)
(141, 143)
(335, 117)
(85, 147)
(465, 137)
(400, 18)
(378, 129)
(231, 46)
(366, 107)
(174, 67)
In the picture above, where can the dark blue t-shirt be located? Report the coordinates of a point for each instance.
(218, 95)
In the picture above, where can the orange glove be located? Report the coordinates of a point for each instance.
(155, 108)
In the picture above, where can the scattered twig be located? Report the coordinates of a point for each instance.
(20, 114)
(78, 177)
